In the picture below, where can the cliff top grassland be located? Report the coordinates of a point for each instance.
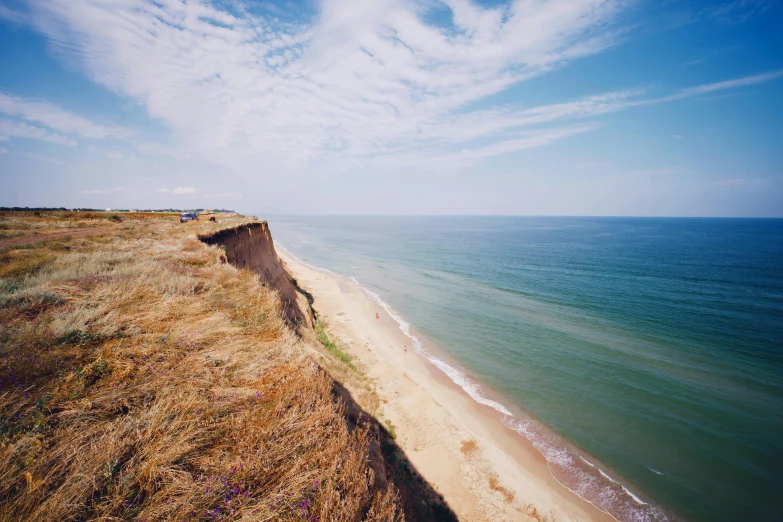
(144, 378)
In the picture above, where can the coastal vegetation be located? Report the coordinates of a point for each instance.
(144, 378)
(331, 347)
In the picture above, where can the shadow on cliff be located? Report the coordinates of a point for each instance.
(420, 501)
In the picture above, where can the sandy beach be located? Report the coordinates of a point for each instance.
(484, 470)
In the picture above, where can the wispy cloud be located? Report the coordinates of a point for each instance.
(362, 79)
(41, 157)
(3, 150)
(496, 122)
(17, 129)
(363, 82)
(94, 192)
(728, 84)
(11, 15)
(56, 118)
(740, 10)
(181, 191)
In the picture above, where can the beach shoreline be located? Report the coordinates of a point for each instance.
(483, 469)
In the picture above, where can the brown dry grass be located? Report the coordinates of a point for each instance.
(143, 379)
(19, 224)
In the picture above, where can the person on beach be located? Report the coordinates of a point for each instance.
(377, 316)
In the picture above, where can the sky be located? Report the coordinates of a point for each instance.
(517, 107)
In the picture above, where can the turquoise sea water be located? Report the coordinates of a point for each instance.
(643, 357)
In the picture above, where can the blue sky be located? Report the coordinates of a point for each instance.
(533, 107)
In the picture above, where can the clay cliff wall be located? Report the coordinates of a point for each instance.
(250, 246)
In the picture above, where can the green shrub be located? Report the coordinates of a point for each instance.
(320, 330)
(391, 429)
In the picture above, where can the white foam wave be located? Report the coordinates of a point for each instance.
(302, 261)
(655, 471)
(607, 477)
(627, 491)
(580, 481)
(637, 499)
(459, 378)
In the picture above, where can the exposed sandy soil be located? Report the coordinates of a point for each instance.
(24, 240)
(485, 471)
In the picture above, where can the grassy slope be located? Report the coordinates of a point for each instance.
(143, 379)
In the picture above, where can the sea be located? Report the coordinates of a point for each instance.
(643, 357)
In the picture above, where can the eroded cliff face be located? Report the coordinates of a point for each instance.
(250, 246)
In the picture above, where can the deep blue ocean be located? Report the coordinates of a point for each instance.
(643, 357)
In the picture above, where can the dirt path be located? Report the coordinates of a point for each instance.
(23, 240)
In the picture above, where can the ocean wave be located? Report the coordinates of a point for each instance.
(601, 490)
(300, 260)
(459, 378)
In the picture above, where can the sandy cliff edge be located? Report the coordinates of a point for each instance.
(250, 246)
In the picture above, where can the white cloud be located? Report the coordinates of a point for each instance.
(182, 191)
(114, 155)
(17, 129)
(3, 150)
(154, 149)
(739, 10)
(103, 191)
(728, 84)
(363, 79)
(55, 118)
(40, 157)
(364, 82)
(6, 13)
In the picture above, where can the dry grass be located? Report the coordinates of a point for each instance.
(143, 379)
(16, 224)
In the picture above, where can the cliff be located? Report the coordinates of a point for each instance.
(142, 377)
(250, 246)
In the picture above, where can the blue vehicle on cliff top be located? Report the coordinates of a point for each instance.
(187, 216)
